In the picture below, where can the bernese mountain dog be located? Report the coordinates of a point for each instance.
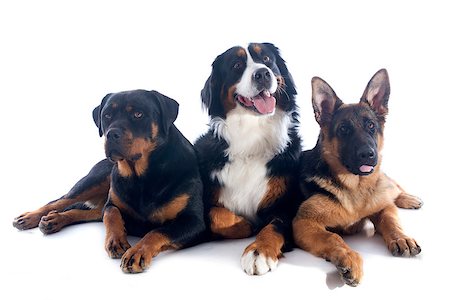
(248, 157)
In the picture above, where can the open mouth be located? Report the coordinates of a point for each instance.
(263, 103)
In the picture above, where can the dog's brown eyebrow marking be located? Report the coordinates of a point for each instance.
(241, 52)
(114, 105)
(257, 48)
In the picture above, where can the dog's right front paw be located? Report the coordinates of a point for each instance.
(27, 220)
(349, 267)
(116, 246)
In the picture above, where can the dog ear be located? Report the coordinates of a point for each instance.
(97, 114)
(168, 108)
(210, 93)
(289, 85)
(324, 101)
(377, 93)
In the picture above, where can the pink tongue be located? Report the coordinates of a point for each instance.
(366, 169)
(264, 104)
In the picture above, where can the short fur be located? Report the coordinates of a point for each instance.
(342, 183)
(247, 158)
(156, 190)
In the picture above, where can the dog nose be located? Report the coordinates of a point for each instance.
(366, 153)
(114, 134)
(262, 77)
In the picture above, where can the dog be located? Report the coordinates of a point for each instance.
(156, 189)
(340, 179)
(149, 185)
(247, 158)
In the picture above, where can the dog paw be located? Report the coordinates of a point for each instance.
(255, 263)
(349, 267)
(27, 220)
(52, 222)
(116, 246)
(405, 200)
(135, 260)
(405, 247)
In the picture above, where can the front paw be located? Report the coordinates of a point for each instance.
(255, 263)
(136, 260)
(405, 200)
(116, 246)
(405, 247)
(349, 266)
(27, 220)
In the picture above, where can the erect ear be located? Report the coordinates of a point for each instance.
(168, 108)
(97, 114)
(289, 85)
(377, 93)
(324, 101)
(210, 93)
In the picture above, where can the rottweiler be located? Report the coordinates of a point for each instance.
(340, 179)
(156, 190)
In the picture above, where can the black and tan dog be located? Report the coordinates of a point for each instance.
(150, 182)
(248, 157)
(342, 182)
(156, 190)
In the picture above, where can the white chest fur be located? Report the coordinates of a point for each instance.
(253, 141)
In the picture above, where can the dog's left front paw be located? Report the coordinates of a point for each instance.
(135, 260)
(405, 247)
(258, 260)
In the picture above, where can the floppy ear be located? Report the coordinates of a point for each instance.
(377, 93)
(289, 85)
(168, 108)
(211, 91)
(97, 114)
(324, 101)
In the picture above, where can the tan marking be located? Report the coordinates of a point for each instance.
(226, 224)
(144, 147)
(228, 98)
(241, 52)
(116, 238)
(276, 187)
(125, 170)
(148, 247)
(257, 48)
(122, 206)
(268, 243)
(170, 210)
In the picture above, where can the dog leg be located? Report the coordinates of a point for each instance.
(54, 221)
(93, 186)
(262, 255)
(226, 224)
(405, 200)
(314, 238)
(116, 242)
(386, 223)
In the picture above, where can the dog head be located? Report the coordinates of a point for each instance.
(255, 78)
(352, 134)
(134, 123)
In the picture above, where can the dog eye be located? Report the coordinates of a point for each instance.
(138, 115)
(344, 129)
(371, 125)
(107, 116)
(237, 65)
(266, 59)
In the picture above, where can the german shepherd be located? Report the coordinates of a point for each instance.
(342, 182)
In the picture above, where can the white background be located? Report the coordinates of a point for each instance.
(59, 58)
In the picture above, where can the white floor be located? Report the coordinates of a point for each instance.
(58, 61)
